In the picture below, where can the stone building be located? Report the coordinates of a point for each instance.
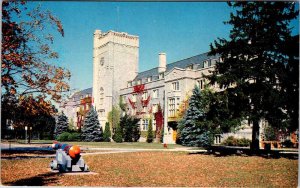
(115, 75)
(76, 107)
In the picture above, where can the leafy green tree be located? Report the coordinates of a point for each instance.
(118, 134)
(61, 125)
(255, 62)
(130, 128)
(92, 131)
(114, 117)
(107, 133)
(150, 134)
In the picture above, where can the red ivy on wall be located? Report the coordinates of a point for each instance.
(145, 102)
(139, 88)
(132, 103)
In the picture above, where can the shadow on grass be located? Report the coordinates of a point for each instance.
(221, 151)
(39, 180)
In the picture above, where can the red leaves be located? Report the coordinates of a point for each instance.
(132, 103)
(139, 88)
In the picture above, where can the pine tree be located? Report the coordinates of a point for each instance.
(130, 127)
(118, 135)
(150, 134)
(255, 61)
(92, 131)
(61, 125)
(195, 129)
(107, 133)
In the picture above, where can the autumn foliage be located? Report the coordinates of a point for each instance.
(26, 50)
(30, 77)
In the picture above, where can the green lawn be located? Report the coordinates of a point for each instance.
(163, 169)
(135, 145)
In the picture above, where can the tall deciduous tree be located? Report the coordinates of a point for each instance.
(256, 62)
(28, 75)
(92, 131)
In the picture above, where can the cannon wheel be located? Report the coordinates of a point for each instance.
(82, 168)
(61, 168)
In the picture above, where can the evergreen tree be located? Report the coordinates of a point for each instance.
(92, 131)
(256, 61)
(130, 128)
(107, 133)
(150, 134)
(195, 130)
(61, 125)
(118, 135)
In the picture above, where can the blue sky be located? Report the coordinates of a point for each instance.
(179, 29)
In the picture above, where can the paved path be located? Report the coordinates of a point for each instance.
(95, 151)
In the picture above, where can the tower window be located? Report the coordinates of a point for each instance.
(102, 61)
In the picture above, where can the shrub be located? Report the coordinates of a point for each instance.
(63, 136)
(107, 133)
(231, 141)
(74, 137)
(150, 134)
(287, 144)
(118, 136)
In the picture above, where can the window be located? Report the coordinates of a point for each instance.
(134, 98)
(154, 108)
(145, 124)
(102, 61)
(171, 107)
(129, 84)
(155, 93)
(213, 62)
(139, 82)
(154, 124)
(145, 109)
(175, 86)
(189, 67)
(221, 59)
(201, 83)
(149, 79)
(101, 96)
(205, 64)
(161, 76)
(145, 95)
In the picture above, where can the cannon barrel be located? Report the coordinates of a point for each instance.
(72, 151)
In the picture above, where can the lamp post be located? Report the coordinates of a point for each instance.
(30, 129)
(26, 134)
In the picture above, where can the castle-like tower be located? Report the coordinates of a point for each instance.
(115, 61)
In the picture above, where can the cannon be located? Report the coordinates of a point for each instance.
(68, 159)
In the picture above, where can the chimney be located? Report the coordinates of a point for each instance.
(162, 62)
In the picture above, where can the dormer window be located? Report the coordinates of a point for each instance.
(189, 67)
(161, 76)
(205, 64)
(129, 84)
(139, 82)
(149, 79)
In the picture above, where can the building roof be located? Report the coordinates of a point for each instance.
(82, 93)
(194, 60)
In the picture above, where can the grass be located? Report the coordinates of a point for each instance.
(163, 169)
(134, 145)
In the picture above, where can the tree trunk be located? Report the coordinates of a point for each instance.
(254, 147)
